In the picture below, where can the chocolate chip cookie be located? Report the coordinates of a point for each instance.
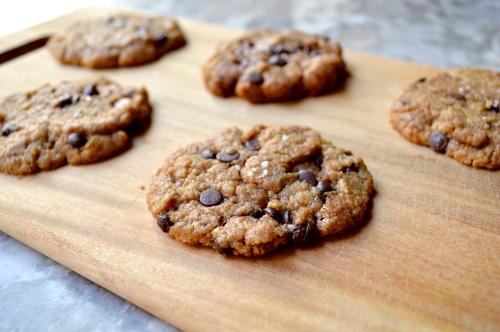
(118, 40)
(456, 113)
(265, 65)
(246, 193)
(78, 122)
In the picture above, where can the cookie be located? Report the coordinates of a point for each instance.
(76, 122)
(246, 193)
(456, 113)
(118, 40)
(265, 65)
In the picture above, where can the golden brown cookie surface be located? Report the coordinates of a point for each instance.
(456, 113)
(265, 65)
(246, 193)
(78, 122)
(118, 40)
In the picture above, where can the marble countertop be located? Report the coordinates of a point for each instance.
(37, 293)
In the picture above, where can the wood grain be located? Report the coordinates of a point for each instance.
(427, 258)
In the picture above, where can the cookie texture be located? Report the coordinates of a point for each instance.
(118, 40)
(456, 113)
(76, 122)
(246, 193)
(265, 65)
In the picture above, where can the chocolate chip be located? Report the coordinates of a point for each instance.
(495, 107)
(307, 176)
(458, 96)
(64, 100)
(255, 78)
(240, 52)
(211, 197)
(420, 80)
(324, 186)
(438, 141)
(276, 49)
(245, 63)
(319, 161)
(7, 130)
(348, 153)
(207, 154)
(303, 233)
(256, 214)
(227, 157)
(221, 250)
(164, 222)
(90, 90)
(160, 39)
(353, 168)
(275, 214)
(76, 140)
(247, 43)
(287, 217)
(252, 144)
(277, 60)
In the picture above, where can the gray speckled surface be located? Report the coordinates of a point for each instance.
(38, 294)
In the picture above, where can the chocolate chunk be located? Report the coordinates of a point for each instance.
(90, 90)
(252, 144)
(247, 43)
(255, 78)
(64, 100)
(420, 80)
(275, 214)
(438, 141)
(76, 140)
(160, 39)
(211, 197)
(287, 217)
(352, 168)
(221, 250)
(241, 52)
(277, 60)
(307, 176)
(256, 214)
(245, 63)
(7, 130)
(348, 153)
(324, 186)
(319, 161)
(303, 233)
(207, 154)
(164, 222)
(227, 157)
(458, 96)
(276, 49)
(495, 107)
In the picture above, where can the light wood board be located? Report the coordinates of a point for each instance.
(428, 257)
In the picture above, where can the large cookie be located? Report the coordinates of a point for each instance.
(246, 193)
(118, 40)
(265, 65)
(78, 122)
(456, 113)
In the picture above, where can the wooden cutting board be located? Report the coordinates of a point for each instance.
(427, 258)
